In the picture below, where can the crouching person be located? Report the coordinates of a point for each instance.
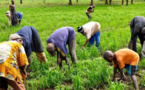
(13, 62)
(57, 43)
(124, 58)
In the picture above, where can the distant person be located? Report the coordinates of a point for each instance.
(13, 63)
(89, 10)
(13, 13)
(31, 42)
(137, 26)
(124, 58)
(91, 31)
(57, 43)
(20, 15)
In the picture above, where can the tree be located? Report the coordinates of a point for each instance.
(126, 2)
(20, 1)
(77, 0)
(110, 1)
(131, 1)
(106, 2)
(70, 2)
(92, 2)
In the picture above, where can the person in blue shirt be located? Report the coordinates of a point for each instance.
(31, 42)
(20, 15)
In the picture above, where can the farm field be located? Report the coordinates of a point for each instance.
(92, 72)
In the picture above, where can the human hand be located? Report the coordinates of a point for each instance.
(82, 47)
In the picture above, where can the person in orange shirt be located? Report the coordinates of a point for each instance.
(124, 58)
(13, 63)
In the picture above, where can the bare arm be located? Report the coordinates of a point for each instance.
(59, 59)
(122, 74)
(85, 43)
(67, 62)
(9, 20)
(115, 71)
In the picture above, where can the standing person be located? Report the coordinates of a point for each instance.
(89, 10)
(20, 15)
(57, 43)
(92, 32)
(13, 62)
(13, 13)
(124, 58)
(31, 42)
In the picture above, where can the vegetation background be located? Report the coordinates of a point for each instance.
(92, 71)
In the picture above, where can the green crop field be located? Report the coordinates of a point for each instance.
(92, 71)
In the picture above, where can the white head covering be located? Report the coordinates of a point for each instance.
(14, 36)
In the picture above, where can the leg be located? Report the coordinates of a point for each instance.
(91, 41)
(97, 37)
(41, 56)
(89, 16)
(133, 77)
(3, 84)
(67, 61)
(72, 50)
(19, 21)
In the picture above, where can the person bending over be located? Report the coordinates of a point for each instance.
(124, 58)
(20, 15)
(57, 43)
(92, 32)
(89, 10)
(31, 42)
(13, 63)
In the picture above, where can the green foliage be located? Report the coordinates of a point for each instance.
(91, 70)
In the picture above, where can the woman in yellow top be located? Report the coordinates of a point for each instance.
(13, 62)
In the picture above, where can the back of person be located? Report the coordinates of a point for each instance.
(61, 37)
(91, 28)
(10, 52)
(126, 56)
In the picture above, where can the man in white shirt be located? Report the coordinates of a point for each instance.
(92, 32)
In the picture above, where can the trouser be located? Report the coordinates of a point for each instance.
(89, 16)
(97, 38)
(14, 20)
(72, 50)
(4, 84)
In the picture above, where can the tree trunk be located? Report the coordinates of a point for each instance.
(122, 2)
(126, 2)
(106, 2)
(92, 3)
(20, 1)
(110, 1)
(77, 0)
(131, 1)
(70, 2)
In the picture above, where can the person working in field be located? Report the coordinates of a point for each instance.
(137, 26)
(89, 10)
(124, 58)
(92, 32)
(13, 63)
(57, 43)
(31, 42)
(13, 14)
(20, 15)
